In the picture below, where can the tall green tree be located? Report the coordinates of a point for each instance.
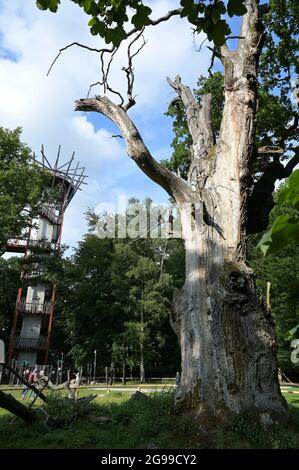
(100, 304)
(86, 311)
(21, 186)
(148, 306)
(9, 281)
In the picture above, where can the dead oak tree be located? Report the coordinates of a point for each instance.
(226, 334)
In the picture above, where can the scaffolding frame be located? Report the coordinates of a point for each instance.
(67, 179)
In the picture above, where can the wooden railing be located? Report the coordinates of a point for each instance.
(29, 344)
(34, 308)
(44, 244)
(23, 241)
(49, 213)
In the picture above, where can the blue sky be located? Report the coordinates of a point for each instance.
(43, 106)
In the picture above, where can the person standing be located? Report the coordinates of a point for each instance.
(34, 379)
(26, 375)
(77, 379)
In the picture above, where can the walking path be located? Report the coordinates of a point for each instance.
(145, 388)
(132, 389)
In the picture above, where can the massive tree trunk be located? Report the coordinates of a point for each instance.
(226, 334)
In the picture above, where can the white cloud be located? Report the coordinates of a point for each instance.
(43, 106)
(93, 139)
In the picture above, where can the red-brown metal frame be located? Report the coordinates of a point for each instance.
(19, 296)
(76, 185)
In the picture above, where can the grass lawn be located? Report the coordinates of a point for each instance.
(139, 424)
(292, 397)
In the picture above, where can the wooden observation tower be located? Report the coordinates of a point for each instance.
(33, 318)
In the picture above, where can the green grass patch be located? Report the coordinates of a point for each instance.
(138, 424)
(135, 424)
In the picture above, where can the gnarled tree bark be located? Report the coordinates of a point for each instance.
(226, 335)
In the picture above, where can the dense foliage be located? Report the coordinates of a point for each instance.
(21, 185)
(281, 271)
(109, 18)
(285, 227)
(9, 281)
(114, 297)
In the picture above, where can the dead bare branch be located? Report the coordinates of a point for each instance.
(105, 73)
(136, 148)
(130, 71)
(201, 44)
(215, 53)
(69, 46)
(234, 37)
(9, 403)
(112, 51)
(270, 150)
(105, 70)
(198, 115)
(91, 86)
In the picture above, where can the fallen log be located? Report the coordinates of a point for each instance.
(77, 408)
(9, 403)
(70, 387)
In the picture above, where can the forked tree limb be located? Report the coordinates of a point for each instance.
(129, 70)
(252, 31)
(78, 44)
(238, 63)
(198, 114)
(136, 148)
(270, 150)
